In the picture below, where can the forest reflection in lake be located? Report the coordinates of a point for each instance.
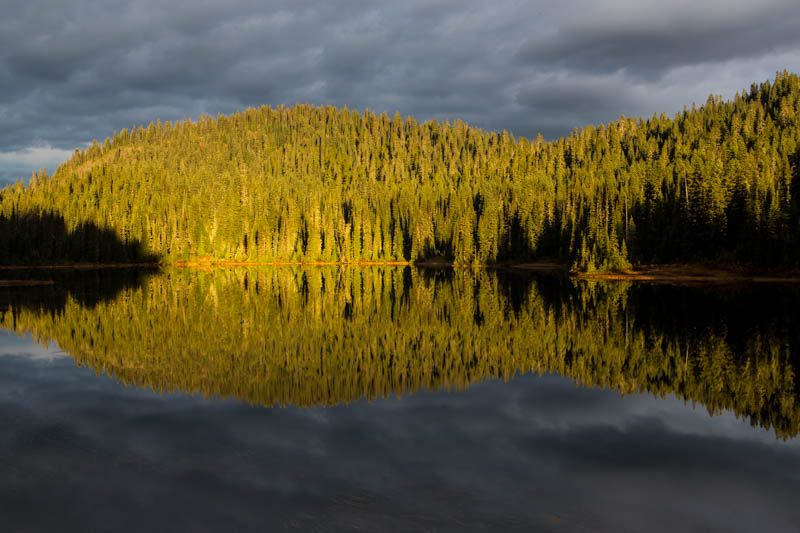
(331, 335)
(338, 346)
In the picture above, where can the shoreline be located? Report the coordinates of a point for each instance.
(80, 266)
(25, 282)
(663, 273)
(692, 274)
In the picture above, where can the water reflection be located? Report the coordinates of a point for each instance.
(49, 289)
(328, 335)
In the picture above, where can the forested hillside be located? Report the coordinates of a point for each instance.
(720, 182)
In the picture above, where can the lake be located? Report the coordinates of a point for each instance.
(395, 399)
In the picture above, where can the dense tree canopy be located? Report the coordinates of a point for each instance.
(720, 182)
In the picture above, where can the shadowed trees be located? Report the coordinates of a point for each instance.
(44, 239)
(49, 290)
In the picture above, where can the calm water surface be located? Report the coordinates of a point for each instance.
(395, 399)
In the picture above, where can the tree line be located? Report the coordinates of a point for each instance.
(719, 182)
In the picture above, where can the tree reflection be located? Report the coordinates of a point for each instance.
(330, 335)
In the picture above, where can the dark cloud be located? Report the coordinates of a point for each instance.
(648, 42)
(76, 71)
(574, 101)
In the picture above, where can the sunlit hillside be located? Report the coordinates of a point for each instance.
(719, 182)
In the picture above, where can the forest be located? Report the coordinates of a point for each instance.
(329, 335)
(304, 184)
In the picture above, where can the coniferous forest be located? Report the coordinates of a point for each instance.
(719, 182)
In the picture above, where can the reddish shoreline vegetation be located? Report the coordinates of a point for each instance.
(715, 184)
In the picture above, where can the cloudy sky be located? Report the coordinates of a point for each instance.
(74, 71)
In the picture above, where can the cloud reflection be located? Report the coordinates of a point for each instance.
(534, 453)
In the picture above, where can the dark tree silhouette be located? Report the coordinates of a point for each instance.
(43, 238)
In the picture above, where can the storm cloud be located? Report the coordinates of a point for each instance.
(73, 72)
